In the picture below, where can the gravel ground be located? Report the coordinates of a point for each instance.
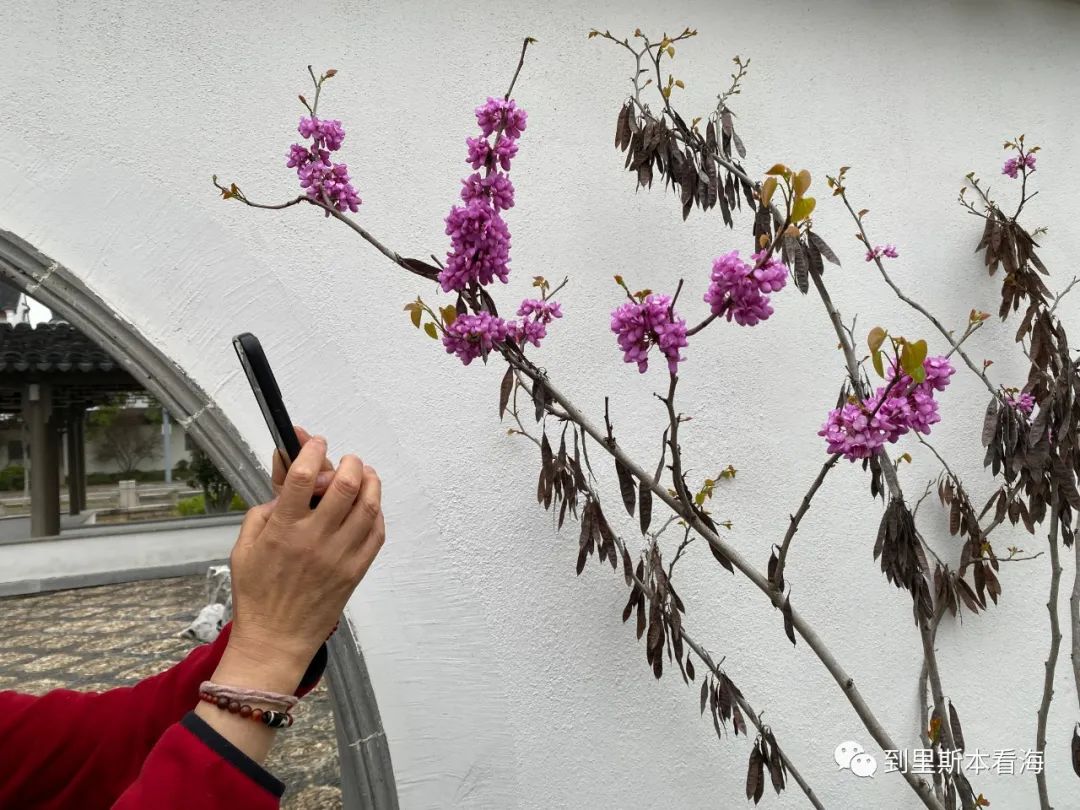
(97, 638)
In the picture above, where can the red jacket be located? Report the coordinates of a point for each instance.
(132, 748)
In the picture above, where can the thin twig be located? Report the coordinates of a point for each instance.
(1063, 293)
(980, 373)
(804, 507)
(517, 72)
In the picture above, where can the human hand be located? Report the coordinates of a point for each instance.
(322, 481)
(294, 568)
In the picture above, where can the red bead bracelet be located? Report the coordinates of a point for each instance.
(268, 717)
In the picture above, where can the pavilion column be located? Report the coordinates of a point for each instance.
(80, 455)
(76, 475)
(44, 461)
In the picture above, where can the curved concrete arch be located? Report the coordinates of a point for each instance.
(367, 776)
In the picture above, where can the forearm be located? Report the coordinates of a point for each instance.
(242, 671)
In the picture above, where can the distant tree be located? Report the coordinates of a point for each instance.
(119, 432)
(217, 491)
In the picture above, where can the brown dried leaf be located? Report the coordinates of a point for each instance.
(957, 732)
(504, 390)
(789, 625)
(823, 248)
(1076, 749)
(644, 507)
(626, 487)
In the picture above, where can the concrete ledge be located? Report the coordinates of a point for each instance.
(101, 555)
(143, 527)
(30, 586)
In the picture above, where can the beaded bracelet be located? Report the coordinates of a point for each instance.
(268, 717)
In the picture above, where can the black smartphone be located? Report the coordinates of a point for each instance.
(268, 395)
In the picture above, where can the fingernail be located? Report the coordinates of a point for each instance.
(323, 479)
(320, 439)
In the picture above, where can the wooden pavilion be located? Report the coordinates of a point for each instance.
(51, 374)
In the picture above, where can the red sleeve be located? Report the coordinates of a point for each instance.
(194, 766)
(69, 749)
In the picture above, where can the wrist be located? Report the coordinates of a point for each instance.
(265, 669)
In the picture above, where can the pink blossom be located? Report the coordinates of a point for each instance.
(738, 290)
(889, 251)
(639, 326)
(538, 313)
(472, 336)
(479, 246)
(1023, 402)
(859, 429)
(498, 113)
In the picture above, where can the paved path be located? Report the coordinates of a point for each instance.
(97, 638)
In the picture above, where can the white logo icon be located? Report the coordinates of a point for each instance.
(852, 756)
(863, 765)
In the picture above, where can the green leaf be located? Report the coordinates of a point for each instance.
(879, 364)
(778, 169)
(414, 315)
(911, 360)
(803, 207)
(429, 327)
(920, 349)
(449, 314)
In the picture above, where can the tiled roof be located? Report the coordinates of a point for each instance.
(82, 374)
(49, 347)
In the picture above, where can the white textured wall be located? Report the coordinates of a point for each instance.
(504, 681)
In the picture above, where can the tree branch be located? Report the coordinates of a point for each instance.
(807, 632)
(804, 507)
(1055, 646)
(702, 653)
(1074, 615)
(893, 484)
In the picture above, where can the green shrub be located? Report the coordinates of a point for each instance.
(12, 477)
(191, 507)
(196, 505)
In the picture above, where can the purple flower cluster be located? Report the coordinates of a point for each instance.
(497, 113)
(1023, 402)
(889, 251)
(639, 326)
(480, 152)
(1012, 165)
(325, 181)
(472, 336)
(479, 245)
(479, 239)
(495, 186)
(536, 315)
(739, 291)
(860, 429)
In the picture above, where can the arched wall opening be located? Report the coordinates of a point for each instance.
(367, 778)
